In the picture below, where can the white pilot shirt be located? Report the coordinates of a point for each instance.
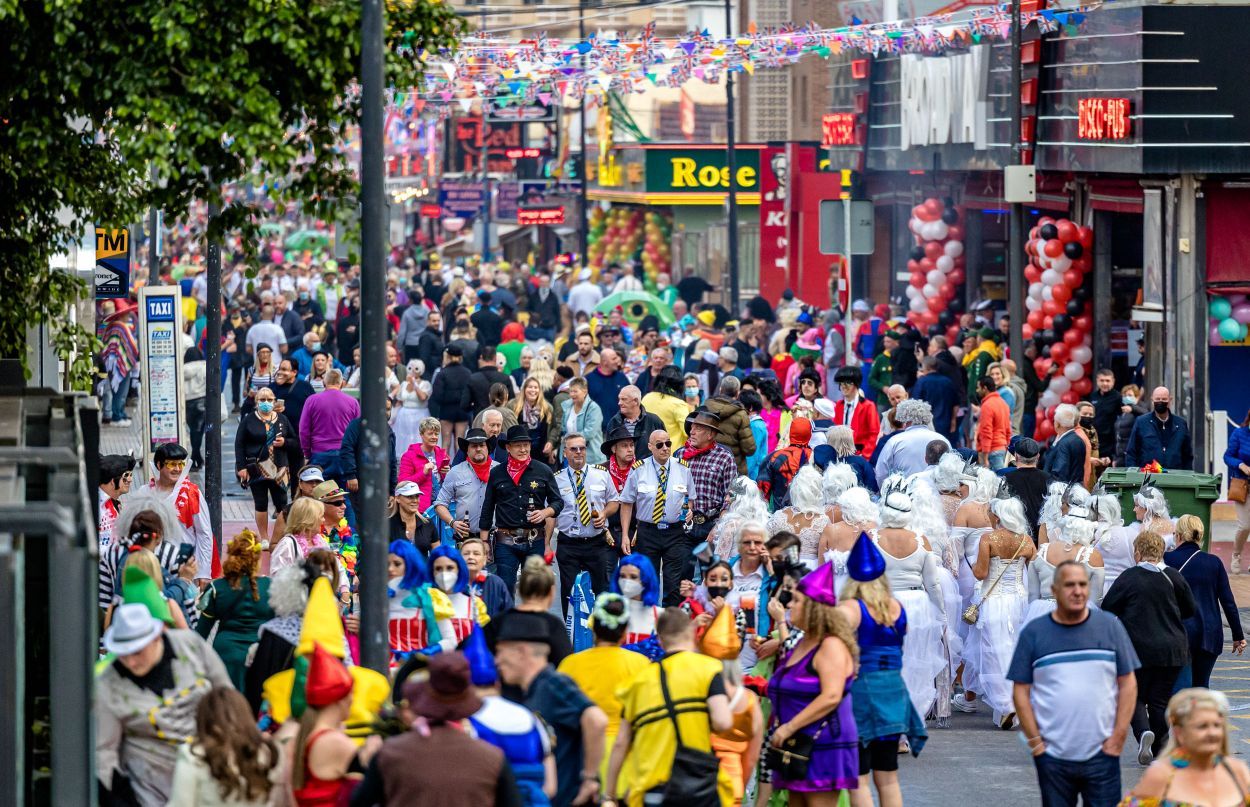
(643, 483)
(599, 491)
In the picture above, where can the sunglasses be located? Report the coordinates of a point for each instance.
(335, 503)
(128, 476)
(665, 444)
(576, 449)
(174, 465)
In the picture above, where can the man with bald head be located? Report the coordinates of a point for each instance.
(1159, 435)
(631, 415)
(653, 498)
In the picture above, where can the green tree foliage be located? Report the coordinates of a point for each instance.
(93, 94)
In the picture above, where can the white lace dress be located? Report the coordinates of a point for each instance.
(1042, 575)
(915, 583)
(408, 413)
(809, 536)
(994, 636)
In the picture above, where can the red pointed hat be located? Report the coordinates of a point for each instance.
(328, 680)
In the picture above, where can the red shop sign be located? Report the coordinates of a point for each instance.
(1103, 119)
(431, 211)
(838, 129)
(553, 214)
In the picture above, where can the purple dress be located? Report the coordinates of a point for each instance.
(835, 756)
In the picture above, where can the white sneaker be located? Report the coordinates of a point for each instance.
(1234, 565)
(962, 704)
(1144, 755)
(124, 422)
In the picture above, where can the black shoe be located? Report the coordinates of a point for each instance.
(195, 465)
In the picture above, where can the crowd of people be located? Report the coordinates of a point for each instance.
(783, 551)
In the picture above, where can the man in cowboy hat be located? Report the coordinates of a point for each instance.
(618, 447)
(459, 500)
(436, 706)
(582, 537)
(712, 468)
(520, 496)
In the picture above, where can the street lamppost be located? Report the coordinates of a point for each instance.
(582, 243)
(1015, 224)
(731, 162)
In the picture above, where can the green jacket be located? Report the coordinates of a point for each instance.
(881, 376)
(982, 357)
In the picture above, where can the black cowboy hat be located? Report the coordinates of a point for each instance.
(704, 417)
(617, 435)
(472, 436)
(516, 434)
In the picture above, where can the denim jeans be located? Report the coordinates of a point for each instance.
(119, 399)
(1096, 780)
(508, 560)
(998, 459)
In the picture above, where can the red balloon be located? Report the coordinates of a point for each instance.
(1068, 232)
(922, 213)
(1044, 430)
(1053, 248)
(1072, 279)
(933, 250)
(937, 305)
(1082, 386)
(956, 275)
(1047, 320)
(1027, 330)
(1083, 323)
(934, 206)
(1060, 293)
(1072, 338)
(1036, 319)
(1085, 235)
(1051, 307)
(946, 290)
(1044, 220)
(918, 279)
(952, 334)
(1032, 273)
(1070, 397)
(926, 265)
(1083, 265)
(1032, 235)
(1030, 247)
(1050, 411)
(1059, 352)
(955, 233)
(913, 265)
(1039, 366)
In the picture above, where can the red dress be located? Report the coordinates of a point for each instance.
(320, 792)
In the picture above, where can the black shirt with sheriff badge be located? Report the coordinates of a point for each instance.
(507, 504)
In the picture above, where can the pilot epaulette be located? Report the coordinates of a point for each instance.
(637, 464)
(599, 466)
(683, 461)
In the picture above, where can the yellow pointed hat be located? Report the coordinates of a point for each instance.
(322, 624)
(721, 641)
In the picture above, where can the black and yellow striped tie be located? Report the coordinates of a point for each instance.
(583, 505)
(657, 512)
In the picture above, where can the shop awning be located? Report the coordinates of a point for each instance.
(1228, 237)
(1115, 195)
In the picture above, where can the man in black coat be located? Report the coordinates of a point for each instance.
(633, 418)
(477, 392)
(447, 400)
(1027, 481)
(1107, 402)
(489, 324)
(1065, 461)
(544, 307)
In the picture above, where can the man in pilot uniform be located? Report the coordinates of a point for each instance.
(655, 495)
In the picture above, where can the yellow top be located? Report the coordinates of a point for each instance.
(600, 671)
(672, 411)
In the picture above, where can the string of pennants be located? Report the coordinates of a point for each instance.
(544, 70)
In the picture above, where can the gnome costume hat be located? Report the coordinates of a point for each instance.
(481, 663)
(328, 681)
(139, 587)
(721, 640)
(865, 563)
(818, 585)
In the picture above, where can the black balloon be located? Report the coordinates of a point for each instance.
(934, 330)
(1080, 293)
(1046, 336)
(956, 305)
(945, 319)
(917, 253)
(1045, 351)
(948, 201)
(950, 215)
(1073, 249)
(1048, 232)
(1075, 307)
(1061, 323)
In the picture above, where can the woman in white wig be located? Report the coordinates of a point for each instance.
(1004, 551)
(745, 504)
(145, 518)
(1053, 508)
(928, 519)
(972, 521)
(858, 515)
(805, 517)
(1073, 540)
(912, 569)
(1114, 540)
(838, 479)
(1151, 510)
(953, 479)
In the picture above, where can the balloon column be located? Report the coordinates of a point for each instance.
(656, 252)
(1230, 318)
(1060, 314)
(615, 235)
(937, 267)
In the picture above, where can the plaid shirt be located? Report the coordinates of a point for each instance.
(712, 472)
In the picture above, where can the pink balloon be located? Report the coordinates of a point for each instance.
(1241, 313)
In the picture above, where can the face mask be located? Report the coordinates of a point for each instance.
(692, 393)
(1161, 407)
(316, 346)
(631, 589)
(1128, 400)
(446, 580)
(784, 597)
(717, 591)
(303, 295)
(1087, 421)
(265, 406)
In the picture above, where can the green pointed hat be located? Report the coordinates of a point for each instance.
(138, 586)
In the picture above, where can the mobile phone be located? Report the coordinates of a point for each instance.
(185, 553)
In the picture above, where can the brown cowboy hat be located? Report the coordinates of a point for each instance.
(704, 417)
(447, 693)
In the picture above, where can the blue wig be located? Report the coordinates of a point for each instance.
(646, 574)
(416, 573)
(463, 578)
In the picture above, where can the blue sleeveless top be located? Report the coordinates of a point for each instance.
(517, 732)
(880, 646)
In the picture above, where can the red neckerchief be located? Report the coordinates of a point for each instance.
(516, 468)
(483, 470)
(689, 452)
(617, 473)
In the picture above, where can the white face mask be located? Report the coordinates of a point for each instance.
(631, 589)
(446, 580)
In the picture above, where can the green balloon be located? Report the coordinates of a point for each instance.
(1230, 329)
(1220, 308)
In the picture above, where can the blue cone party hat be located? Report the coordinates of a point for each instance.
(481, 662)
(865, 563)
(818, 585)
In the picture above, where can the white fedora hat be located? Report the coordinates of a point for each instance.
(133, 629)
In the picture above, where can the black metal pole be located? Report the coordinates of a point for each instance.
(486, 212)
(212, 379)
(583, 245)
(1015, 242)
(731, 161)
(374, 472)
(154, 235)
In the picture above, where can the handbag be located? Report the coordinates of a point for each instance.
(1237, 490)
(792, 759)
(973, 612)
(692, 782)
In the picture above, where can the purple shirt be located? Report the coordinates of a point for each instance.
(324, 419)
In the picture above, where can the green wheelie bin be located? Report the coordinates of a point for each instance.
(1187, 492)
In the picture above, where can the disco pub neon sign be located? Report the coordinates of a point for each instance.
(1103, 119)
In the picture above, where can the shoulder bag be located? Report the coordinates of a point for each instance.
(1238, 487)
(973, 612)
(692, 782)
(791, 760)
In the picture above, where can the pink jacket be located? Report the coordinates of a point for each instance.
(412, 468)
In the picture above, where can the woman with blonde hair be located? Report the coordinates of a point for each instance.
(1196, 766)
(425, 462)
(303, 537)
(146, 561)
(534, 413)
(1208, 581)
(237, 603)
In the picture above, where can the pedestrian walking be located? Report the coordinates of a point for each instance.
(1160, 436)
(520, 496)
(236, 604)
(447, 400)
(1237, 461)
(322, 422)
(655, 496)
(229, 763)
(1208, 582)
(458, 503)
(580, 415)
(186, 499)
(260, 461)
(1067, 457)
(581, 527)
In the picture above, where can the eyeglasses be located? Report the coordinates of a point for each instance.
(174, 465)
(665, 444)
(575, 449)
(335, 503)
(128, 476)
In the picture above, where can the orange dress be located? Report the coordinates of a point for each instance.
(730, 746)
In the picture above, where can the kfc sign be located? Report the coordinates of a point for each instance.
(1103, 119)
(838, 129)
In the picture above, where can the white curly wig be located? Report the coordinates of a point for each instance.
(948, 473)
(894, 508)
(806, 491)
(986, 486)
(857, 507)
(288, 596)
(1152, 500)
(1010, 514)
(144, 499)
(839, 478)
